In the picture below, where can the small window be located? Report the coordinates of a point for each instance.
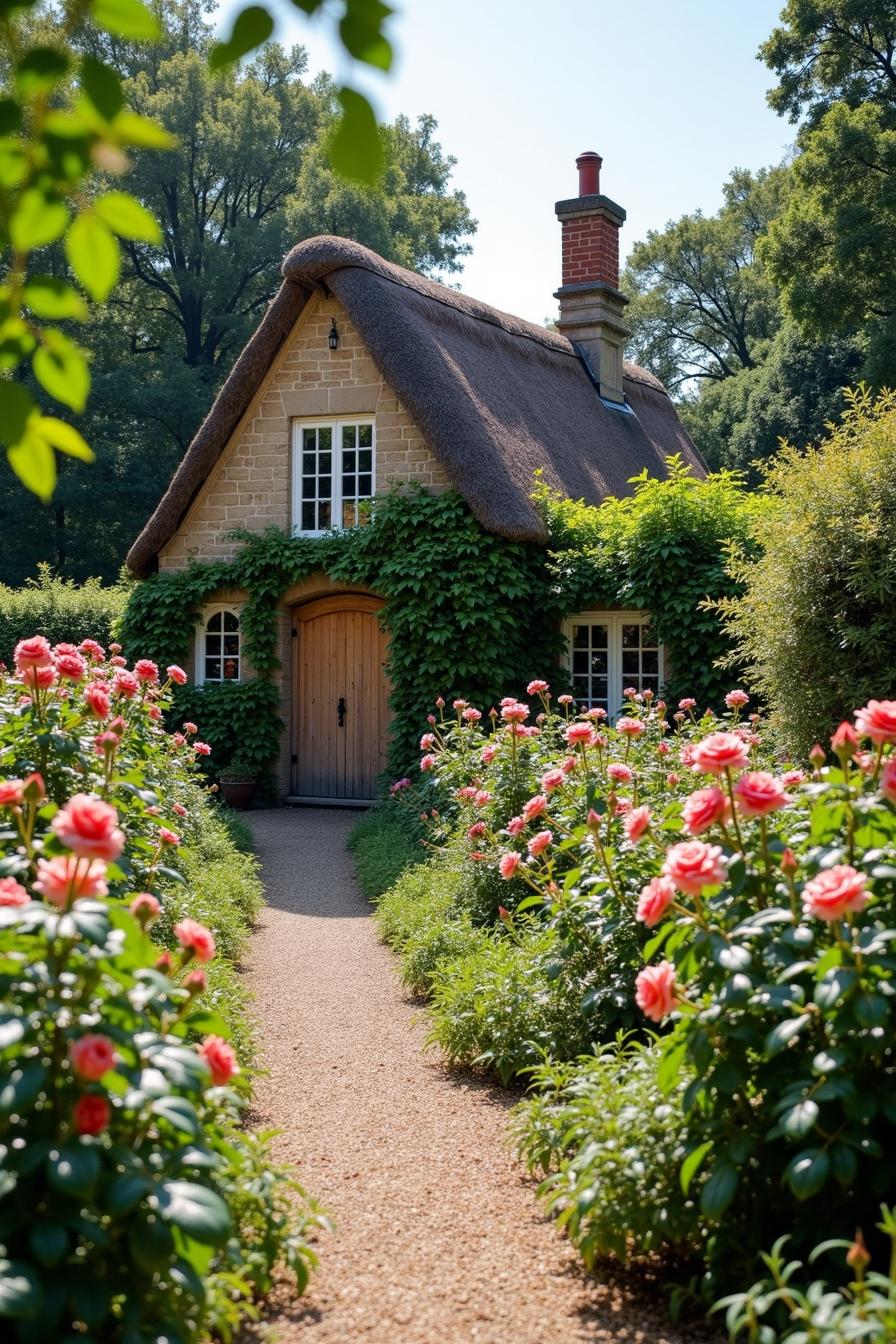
(333, 474)
(609, 652)
(219, 648)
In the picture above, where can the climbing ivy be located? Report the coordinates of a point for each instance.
(468, 613)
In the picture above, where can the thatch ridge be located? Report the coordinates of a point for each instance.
(495, 397)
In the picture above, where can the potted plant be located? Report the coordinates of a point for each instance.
(238, 782)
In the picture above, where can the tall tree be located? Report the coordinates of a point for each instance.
(832, 251)
(702, 306)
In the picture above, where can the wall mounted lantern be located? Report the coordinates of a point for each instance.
(333, 338)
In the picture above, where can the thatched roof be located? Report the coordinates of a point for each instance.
(495, 398)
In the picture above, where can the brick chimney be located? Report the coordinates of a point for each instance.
(591, 307)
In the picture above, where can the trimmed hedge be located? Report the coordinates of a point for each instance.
(61, 610)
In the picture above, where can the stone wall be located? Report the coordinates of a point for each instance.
(250, 486)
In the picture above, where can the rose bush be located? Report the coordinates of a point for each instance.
(120, 1150)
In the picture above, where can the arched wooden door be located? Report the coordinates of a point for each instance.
(341, 712)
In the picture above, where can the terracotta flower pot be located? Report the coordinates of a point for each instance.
(239, 793)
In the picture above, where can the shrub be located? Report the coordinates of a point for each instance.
(385, 842)
(120, 1159)
(60, 610)
(816, 623)
(611, 1140)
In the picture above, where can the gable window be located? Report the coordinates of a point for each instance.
(219, 646)
(333, 473)
(610, 651)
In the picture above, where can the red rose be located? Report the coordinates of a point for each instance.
(220, 1058)
(92, 1056)
(91, 1114)
(196, 939)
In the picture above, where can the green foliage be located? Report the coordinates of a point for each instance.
(60, 610)
(814, 624)
(791, 394)
(780, 1308)
(385, 842)
(610, 1140)
(239, 720)
(660, 550)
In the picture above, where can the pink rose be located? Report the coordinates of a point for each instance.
(91, 1114)
(509, 863)
(565, 700)
(428, 763)
(125, 684)
(579, 734)
(176, 674)
(202, 749)
(471, 715)
(91, 649)
(477, 830)
(720, 752)
(190, 728)
(705, 808)
(791, 777)
(178, 739)
(67, 879)
(488, 754)
(835, 892)
(515, 826)
(537, 688)
(656, 992)
(71, 666)
(687, 703)
(887, 780)
(672, 780)
(96, 698)
(39, 678)
(89, 827)
(845, 740)
(535, 807)
(195, 939)
(877, 720)
(637, 823)
(92, 1056)
(515, 712)
(737, 699)
(146, 670)
(145, 907)
(693, 865)
(481, 797)
(619, 773)
(540, 842)
(33, 652)
(629, 727)
(195, 981)
(427, 741)
(168, 837)
(759, 793)
(552, 779)
(220, 1059)
(12, 893)
(11, 792)
(655, 900)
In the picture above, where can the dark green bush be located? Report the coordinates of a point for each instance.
(385, 842)
(60, 610)
(816, 624)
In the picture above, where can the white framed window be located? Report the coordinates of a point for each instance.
(219, 647)
(610, 651)
(334, 471)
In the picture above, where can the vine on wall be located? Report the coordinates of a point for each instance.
(468, 613)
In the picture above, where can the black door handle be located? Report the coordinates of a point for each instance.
(340, 710)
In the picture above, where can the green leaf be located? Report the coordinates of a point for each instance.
(66, 438)
(102, 86)
(48, 297)
(37, 221)
(73, 1168)
(21, 1087)
(124, 1191)
(40, 70)
(691, 1165)
(16, 405)
(179, 1113)
(127, 217)
(20, 1290)
(252, 27)
(140, 132)
(198, 1211)
(126, 18)
(361, 33)
(784, 1032)
(48, 1243)
(871, 1010)
(807, 1172)
(797, 1122)
(61, 369)
(719, 1190)
(93, 255)
(10, 115)
(356, 150)
(34, 462)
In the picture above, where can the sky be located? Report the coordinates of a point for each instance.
(669, 92)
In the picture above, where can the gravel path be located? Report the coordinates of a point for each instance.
(438, 1237)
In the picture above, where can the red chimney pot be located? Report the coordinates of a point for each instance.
(588, 165)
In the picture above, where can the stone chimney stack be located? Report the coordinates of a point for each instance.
(591, 307)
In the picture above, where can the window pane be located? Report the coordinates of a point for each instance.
(214, 622)
(650, 662)
(650, 684)
(580, 662)
(309, 464)
(580, 636)
(599, 688)
(348, 461)
(309, 439)
(630, 666)
(365, 436)
(631, 636)
(580, 687)
(599, 636)
(348, 487)
(365, 487)
(648, 638)
(309, 487)
(212, 669)
(231, 644)
(348, 436)
(348, 513)
(599, 663)
(308, 520)
(325, 438)
(324, 513)
(325, 460)
(230, 621)
(365, 460)
(231, 669)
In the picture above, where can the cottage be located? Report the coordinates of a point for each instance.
(363, 375)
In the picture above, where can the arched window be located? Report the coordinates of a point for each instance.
(219, 655)
(610, 651)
